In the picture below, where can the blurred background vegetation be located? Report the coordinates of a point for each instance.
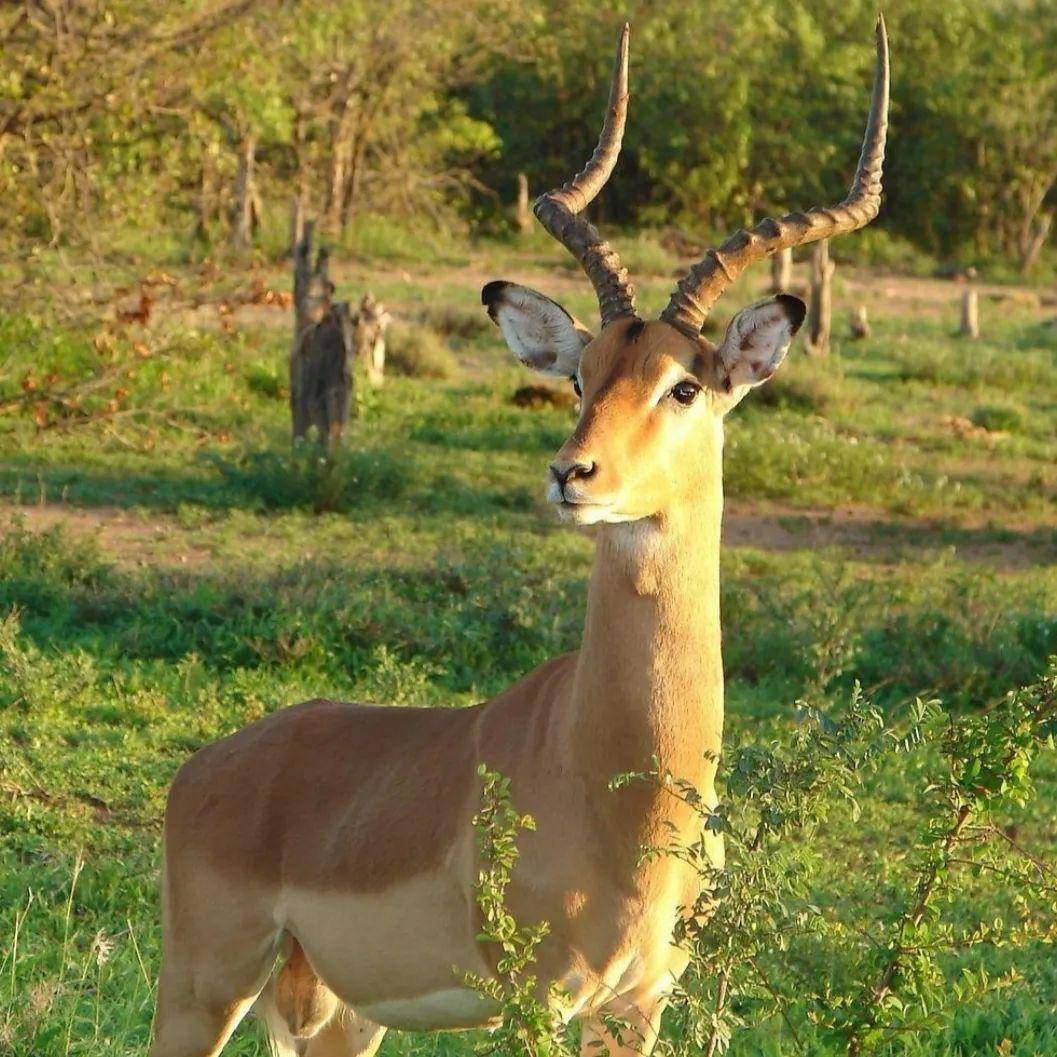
(186, 124)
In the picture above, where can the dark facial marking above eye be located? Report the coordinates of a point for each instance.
(699, 364)
(636, 327)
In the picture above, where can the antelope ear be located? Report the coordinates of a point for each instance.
(540, 333)
(756, 343)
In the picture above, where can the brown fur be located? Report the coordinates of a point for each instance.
(372, 808)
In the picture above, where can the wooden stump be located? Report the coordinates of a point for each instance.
(368, 338)
(782, 271)
(321, 384)
(860, 324)
(969, 327)
(820, 309)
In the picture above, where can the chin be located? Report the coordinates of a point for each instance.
(592, 514)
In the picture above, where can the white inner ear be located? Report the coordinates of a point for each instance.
(540, 333)
(755, 344)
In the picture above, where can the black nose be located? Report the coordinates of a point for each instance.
(566, 470)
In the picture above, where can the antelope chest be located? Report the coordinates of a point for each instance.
(622, 947)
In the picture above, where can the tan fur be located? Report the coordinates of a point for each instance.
(347, 826)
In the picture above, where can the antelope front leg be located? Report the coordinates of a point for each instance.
(633, 1036)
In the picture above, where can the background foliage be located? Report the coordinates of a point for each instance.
(134, 116)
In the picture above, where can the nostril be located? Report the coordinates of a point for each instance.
(566, 471)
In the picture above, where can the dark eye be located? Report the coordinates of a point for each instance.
(576, 385)
(685, 393)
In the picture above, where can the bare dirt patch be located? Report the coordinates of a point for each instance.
(869, 535)
(132, 539)
(128, 538)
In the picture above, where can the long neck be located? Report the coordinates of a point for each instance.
(649, 682)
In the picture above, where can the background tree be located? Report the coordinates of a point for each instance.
(120, 118)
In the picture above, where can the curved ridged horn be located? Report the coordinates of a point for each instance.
(559, 210)
(702, 286)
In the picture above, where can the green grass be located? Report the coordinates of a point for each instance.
(424, 567)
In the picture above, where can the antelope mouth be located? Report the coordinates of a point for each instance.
(573, 506)
(580, 512)
(589, 512)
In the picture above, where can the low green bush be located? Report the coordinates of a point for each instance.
(456, 321)
(306, 477)
(776, 937)
(645, 254)
(998, 417)
(264, 380)
(810, 387)
(418, 351)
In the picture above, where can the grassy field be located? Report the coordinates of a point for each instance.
(169, 571)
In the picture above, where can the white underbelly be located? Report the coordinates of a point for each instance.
(447, 1010)
(399, 957)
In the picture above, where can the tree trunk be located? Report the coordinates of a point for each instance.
(1039, 233)
(1035, 223)
(301, 160)
(256, 207)
(335, 184)
(354, 172)
(246, 201)
(302, 278)
(860, 323)
(299, 200)
(365, 96)
(820, 310)
(321, 383)
(970, 322)
(782, 271)
(351, 191)
(341, 147)
(206, 199)
(522, 211)
(297, 223)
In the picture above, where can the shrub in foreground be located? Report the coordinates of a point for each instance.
(773, 938)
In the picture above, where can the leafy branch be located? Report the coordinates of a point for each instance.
(529, 1026)
(765, 921)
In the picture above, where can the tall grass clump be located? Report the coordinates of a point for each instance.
(306, 477)
(456, 321)
(418, 351)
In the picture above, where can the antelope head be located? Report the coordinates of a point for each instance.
(653, 394)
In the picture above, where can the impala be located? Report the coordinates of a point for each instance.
(339, 835)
